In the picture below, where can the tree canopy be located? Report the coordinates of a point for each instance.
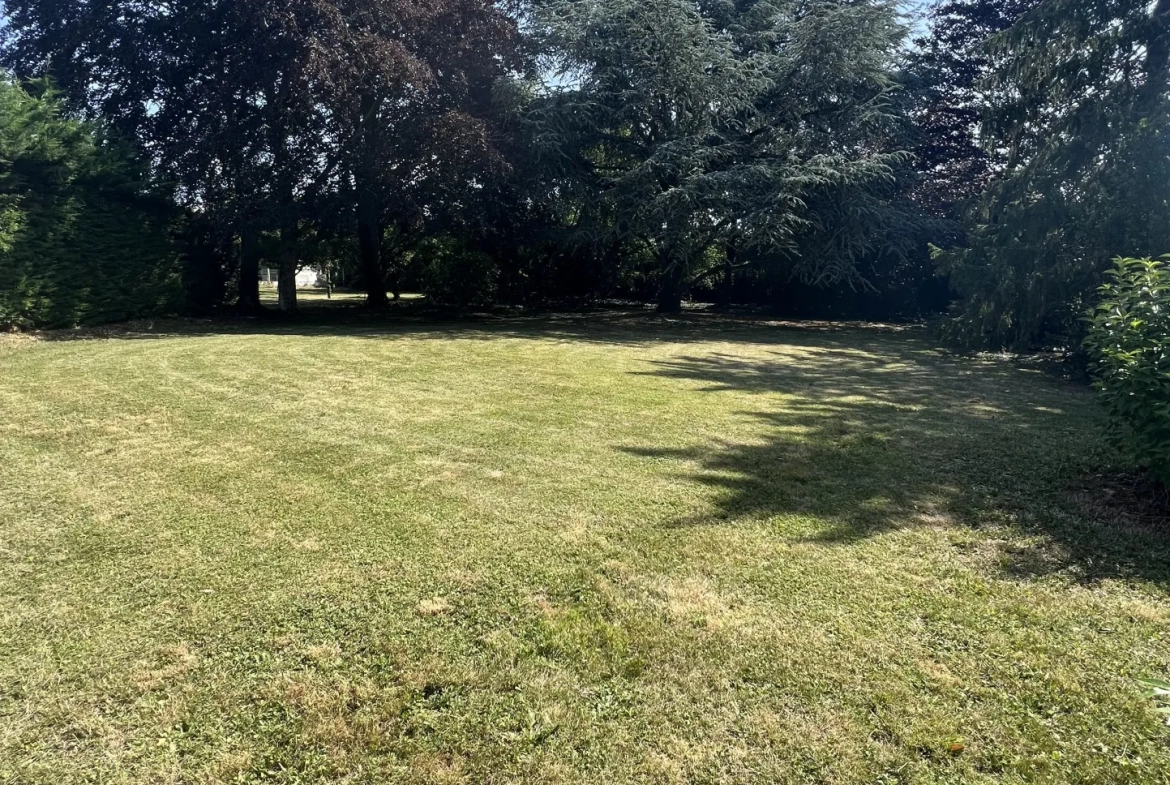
(948, 71)
(273, 113)
(695, 127)
(1077, 106)
(801, 154)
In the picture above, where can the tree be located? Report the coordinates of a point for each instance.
(274, 112)
(1078, 105)
(688, 128)
(84, 232)
(946, 73)
(407, 89)
(219, 96)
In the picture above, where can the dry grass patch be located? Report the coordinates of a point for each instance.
(434, 606)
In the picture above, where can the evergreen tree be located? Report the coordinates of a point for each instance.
(947, 71)
(690, 128)
(1077, 105)
(84, 234)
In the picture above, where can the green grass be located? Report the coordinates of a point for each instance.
(316, 299)
(558, 551)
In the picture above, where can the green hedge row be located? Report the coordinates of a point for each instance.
(84, 236)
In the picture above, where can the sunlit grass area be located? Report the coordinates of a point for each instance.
(564, 551)
(314, 297)
(317, 299)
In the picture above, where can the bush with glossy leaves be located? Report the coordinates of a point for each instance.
(1129, 347)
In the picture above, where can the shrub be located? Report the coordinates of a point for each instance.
(454, 275)
(85, 237)
(1129, 349)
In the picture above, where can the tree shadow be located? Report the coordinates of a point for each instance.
(869, 427)
(873, 434)
(619, 323)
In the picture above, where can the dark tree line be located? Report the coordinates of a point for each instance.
(800, 154)
(289, 118)
(1073, 112)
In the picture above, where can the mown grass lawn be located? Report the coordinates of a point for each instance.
(559, 551)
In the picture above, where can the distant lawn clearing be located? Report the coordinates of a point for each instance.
(561, 552)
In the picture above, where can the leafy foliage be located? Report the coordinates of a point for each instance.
(406, 97)
(683, 146)
(1078, 105)
(358, 116)
(766, 127)
(84, 237)
(775, 151)
(946, 73)
(453, 275)
(217, 95)
(1129, 342)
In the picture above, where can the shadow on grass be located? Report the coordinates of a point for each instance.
(873, 435)
(618, 324)
(875, 430)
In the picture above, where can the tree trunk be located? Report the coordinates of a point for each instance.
(285, 177)
(248, 303)
(370, 250)
(394, 280)
(727, 287)
(671, 284)
(286, 287)
(369, 214)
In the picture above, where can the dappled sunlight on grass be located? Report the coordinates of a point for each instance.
(867, 439)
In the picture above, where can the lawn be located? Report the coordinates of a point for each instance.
(564, 551)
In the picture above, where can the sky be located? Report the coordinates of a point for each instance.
(916, 10)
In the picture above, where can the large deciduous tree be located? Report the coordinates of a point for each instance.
(690, 128)
(271, 113)
(408, 93)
